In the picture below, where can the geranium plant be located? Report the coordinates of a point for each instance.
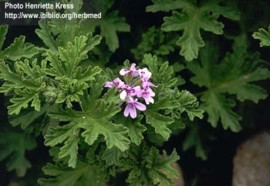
(103, 121)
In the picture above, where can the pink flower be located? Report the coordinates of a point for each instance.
(136, 86)
(128, 91)
(132, 70)
(145, 74)
(147, 95)
(131, 107)
(147, 84)
(118, 83)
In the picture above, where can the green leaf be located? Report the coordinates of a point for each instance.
(70, 91)
(66, 61)
(156, 42)
(75, 52)
(82, 175)
(159, 122)
(16, 79)
(18, 49)
(166, 5)
(45, 35)
(64, 115)
(109, 28)
(24, 119)
(220, 108)
(26, 81)
(114, 135)
(263, 35)
(3, 32)
(23, 102)
(68, 133)
(238, 80)
(162, 73)
(221, 78)
(72, 79)
(189, 104)
(109, 25)
(160, 167)
(191, 19)
(89, 74)
(14, 146)
(58, 134)
(136, 129)
(193, 139)
(93, 122)
(112, 156)
(70, 149)
(147, 166)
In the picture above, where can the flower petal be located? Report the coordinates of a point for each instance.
(133, 112)
(123, 95)
(123, 72)
(140, 106)
(149, 100)
(109, 84)
(127, 110)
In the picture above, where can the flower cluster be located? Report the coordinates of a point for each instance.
(136, 86)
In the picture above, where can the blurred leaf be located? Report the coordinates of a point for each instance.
(154, 41)
(191, 19)
(13, 147)
(234, 75)
(193, 139)
(82, 175)
(109, 25)
(263, 35)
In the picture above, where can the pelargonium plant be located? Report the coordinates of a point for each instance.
(64, 95)
(135, 88)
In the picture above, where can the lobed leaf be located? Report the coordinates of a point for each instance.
(161, 73)
(3, 33)
(166, 5)
(159, 122)
(60, 175)
(112, 156)
(18, 49)
(44, 33)
(220, 108)
(221, 78)
(147, 166)
(67, 134)
(189, 104)
(160, 168)
(156, 42)
(263, 35)
(19, 103)
(135, 129)
(14, 146)
(190, 19)
(193, 139)
(114, 135)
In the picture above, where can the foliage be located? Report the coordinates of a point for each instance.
(56, 91)
(109, 25)
(154, 42)
(220, 78)
(191, 18)
(264, 36)
(14, 145)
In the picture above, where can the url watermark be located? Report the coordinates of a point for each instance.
(51, 15)
(20, 12)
